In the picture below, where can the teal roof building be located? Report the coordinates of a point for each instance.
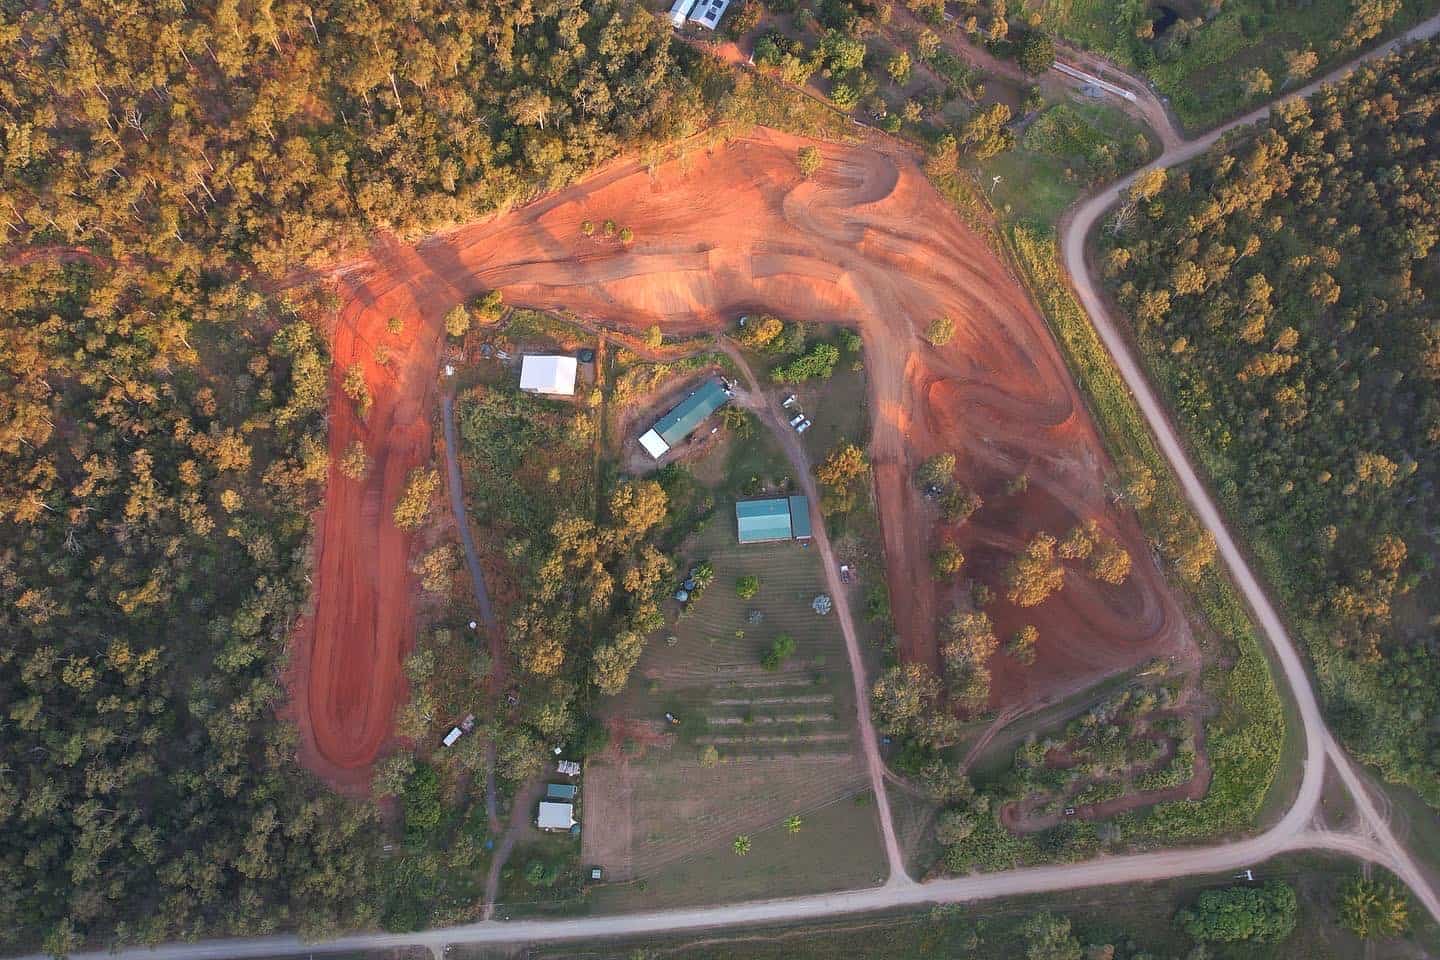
(688, 414)
(776, 518)
(800, 518)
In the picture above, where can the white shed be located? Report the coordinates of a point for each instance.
(552, 375)
(555, 816)
(654, 444)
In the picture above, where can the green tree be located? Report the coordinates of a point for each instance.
(457, 321)
(793, 823)
(747, 587)
(1373, 909)
(1034, 575)
(1035, 52)
(1264, 913)
(741, 845)
(898, 67)
(1048, 937)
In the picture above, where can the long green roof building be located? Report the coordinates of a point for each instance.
(772, 519)
(688, 414)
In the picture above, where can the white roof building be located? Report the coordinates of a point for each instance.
(680, 12)
(552, 375)
(555, 816)
(653, 444)
(707, 13)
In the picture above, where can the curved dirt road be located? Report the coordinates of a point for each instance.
(1319, 743)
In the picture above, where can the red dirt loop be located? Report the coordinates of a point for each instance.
(866, 242)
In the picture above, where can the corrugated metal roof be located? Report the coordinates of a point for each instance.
(555, 816)
(560, 791)
(800, 517)
(761, 520)
(688, 414)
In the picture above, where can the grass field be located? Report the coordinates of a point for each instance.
(662, 818)
(1137, 920)
(1203, 74)
(1070, 146)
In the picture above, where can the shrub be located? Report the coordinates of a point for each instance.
(936, 471)
(946, 561)
(414, 504)
(808, 159)
(747, 586)
(355, 462)
(626, 234)
(816, 363)
(782, 648)
(940, 331)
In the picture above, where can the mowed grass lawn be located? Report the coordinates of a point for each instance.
(662, 819)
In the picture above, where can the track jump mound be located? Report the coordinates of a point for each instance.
(866, 242)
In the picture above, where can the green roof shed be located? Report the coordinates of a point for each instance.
(800, 517)
(760, 521)
(689, 413)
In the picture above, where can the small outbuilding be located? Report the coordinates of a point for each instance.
(553, 376)
(555, 815)
(563, 792)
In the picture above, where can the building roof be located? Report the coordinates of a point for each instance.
(680, 11)
(707, 13)
(555, 816)
(653, 445)
(800, 517)
(560, 791)
(762, 520)
(689, 413)
(545, 374)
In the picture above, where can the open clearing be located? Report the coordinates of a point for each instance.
(865, 242)
(786, 741)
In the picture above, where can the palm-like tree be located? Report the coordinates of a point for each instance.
(793, 823)
(741, 846)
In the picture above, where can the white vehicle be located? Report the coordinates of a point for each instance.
(803, 427)
(788, 402)
(796, 420)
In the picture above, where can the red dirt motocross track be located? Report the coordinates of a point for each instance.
(865, 242)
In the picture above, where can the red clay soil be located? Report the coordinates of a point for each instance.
(717, 233)
(346, 680)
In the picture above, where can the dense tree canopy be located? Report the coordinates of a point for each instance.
(164, 167)
(1280, 291)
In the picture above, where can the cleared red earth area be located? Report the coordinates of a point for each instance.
(866, 242)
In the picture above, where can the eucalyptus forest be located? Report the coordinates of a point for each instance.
(169, 170)
(1280, 291)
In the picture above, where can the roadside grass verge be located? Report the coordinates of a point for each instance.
(1138, 919)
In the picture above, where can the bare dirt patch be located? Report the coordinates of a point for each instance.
(866, 242)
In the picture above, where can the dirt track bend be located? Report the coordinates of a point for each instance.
(1293, 832)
